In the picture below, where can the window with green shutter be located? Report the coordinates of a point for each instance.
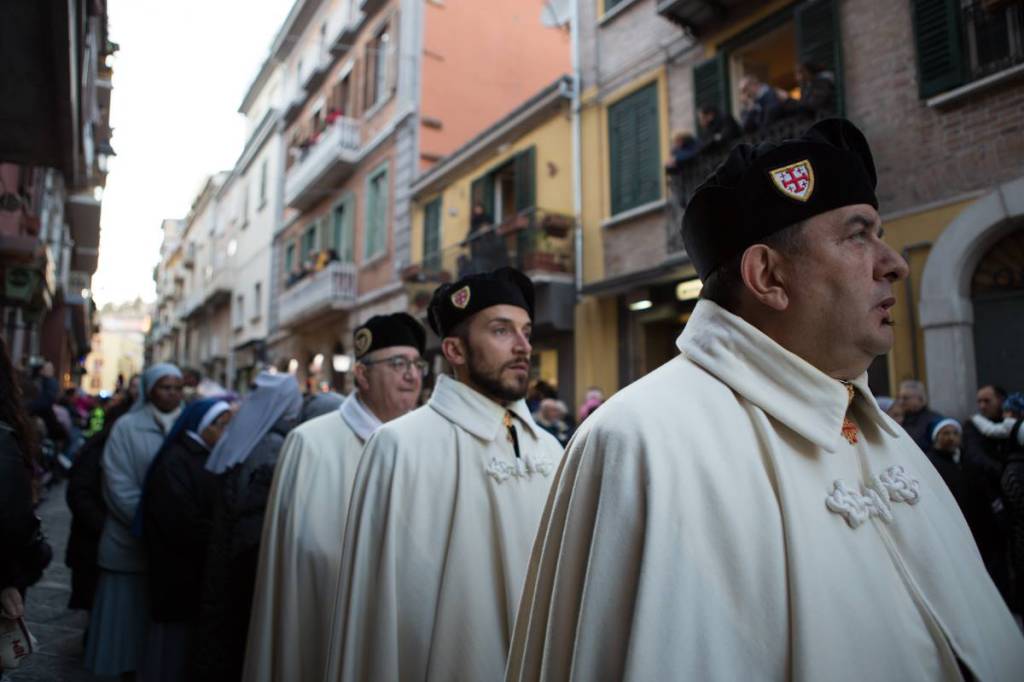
(342, 237)
(711, 84)
(375, 238)
(432, 235)
(289, 259)
(937, 37)
(526, 179)
(309, 242)
(634, 150)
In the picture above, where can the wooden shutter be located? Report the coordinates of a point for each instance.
(432, 235)
(346, 245)
(394, 53)
(711, 85)
(939, 43)
(382, 213)
(526, 175)
(634, 150)
(818, 40)
(482, 191)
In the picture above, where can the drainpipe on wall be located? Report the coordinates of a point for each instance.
(908, 285)
(577, 141)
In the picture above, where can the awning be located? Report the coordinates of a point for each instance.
(83, 212)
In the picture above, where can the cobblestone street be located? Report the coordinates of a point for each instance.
(59, 630)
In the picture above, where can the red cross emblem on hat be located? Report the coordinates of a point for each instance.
(796, 180)
(460, 299)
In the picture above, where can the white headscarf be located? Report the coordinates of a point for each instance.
(148, 380)
(276, 396)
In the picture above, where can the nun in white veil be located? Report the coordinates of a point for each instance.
(244, 459)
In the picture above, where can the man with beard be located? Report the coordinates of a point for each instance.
(446, 503)
(746, 511)
(301, 549)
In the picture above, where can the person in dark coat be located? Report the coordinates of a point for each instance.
(176, 515)
(244, 461)
(716, 128)
(24, 552)
(918, 420)
(84, 497)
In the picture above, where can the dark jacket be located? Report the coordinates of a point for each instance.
(232, 558)
(24, 553)
(723, 128)
(177, 516)
(88, 514)
(919, 426)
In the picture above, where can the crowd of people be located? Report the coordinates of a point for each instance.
(745, 511)
(982, 463)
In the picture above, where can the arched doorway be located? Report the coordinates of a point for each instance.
(997, 293)
(947, 307)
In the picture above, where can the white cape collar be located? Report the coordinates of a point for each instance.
(358, 417)
(778, 381)
(474, 411)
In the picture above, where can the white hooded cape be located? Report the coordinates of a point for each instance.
(710, 522)
(440, 526)
(300, 550)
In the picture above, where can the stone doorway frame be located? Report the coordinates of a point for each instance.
(946, 311)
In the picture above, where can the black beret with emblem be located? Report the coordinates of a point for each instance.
(760, 190)
(385, 331)
(453, 303)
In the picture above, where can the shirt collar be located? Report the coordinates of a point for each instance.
(474, 411)
(779, 382)
(358, 417)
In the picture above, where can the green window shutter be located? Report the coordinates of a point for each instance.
(432, 235)
(711, 84)
(482, 191)
(526, 174)
(341, 229)
(634, 150)
(376, 214)
(382, 213)
(289, 259)
(937, 37)
(369, 235)
(818, 40)
(609, 5)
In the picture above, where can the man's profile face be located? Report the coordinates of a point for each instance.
(842, 284)
(911, 400)
(166, 393)
(990, 405)
(498, 351)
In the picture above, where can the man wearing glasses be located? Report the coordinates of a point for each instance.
(301, 548)
(446, 503)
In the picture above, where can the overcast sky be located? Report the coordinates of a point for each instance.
(179, 77)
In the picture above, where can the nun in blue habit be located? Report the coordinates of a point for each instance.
(120, 616)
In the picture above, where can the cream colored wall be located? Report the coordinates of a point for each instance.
(553, 142)
(597, 348)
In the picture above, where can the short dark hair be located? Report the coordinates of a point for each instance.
(725, 283)
(998, 390)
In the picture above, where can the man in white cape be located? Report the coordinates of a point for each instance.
(746, 511)
(446, 503)
(300, 550)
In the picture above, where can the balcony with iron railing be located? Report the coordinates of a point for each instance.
(331, 288)
(321, 162)
(537, 242)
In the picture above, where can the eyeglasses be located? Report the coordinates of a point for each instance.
(401, 364)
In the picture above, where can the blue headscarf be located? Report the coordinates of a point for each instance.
(1014, 402)
(187, 422)
(148, 380)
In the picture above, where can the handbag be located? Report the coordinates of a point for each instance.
(16, 642)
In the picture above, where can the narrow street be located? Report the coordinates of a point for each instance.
(58, 630)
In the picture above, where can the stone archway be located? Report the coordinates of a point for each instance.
(946, 310)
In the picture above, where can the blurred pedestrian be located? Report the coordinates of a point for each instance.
(176, 515)
(24, 552)
(244, 460)
(917, 418)
(120, 615)
(300, 552)
(593, 400)
(84, 497)
(551, 416)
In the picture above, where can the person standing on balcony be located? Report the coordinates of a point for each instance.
(445, 504)
(300, 553)
(760, 102)
(716, 129)
(768, 521)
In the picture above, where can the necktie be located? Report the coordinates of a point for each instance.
(849, 428)
(513, 437)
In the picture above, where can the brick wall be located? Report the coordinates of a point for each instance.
(923, 154)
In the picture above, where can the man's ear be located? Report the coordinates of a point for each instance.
(764, 274)
(359, 374)
(454, 351)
